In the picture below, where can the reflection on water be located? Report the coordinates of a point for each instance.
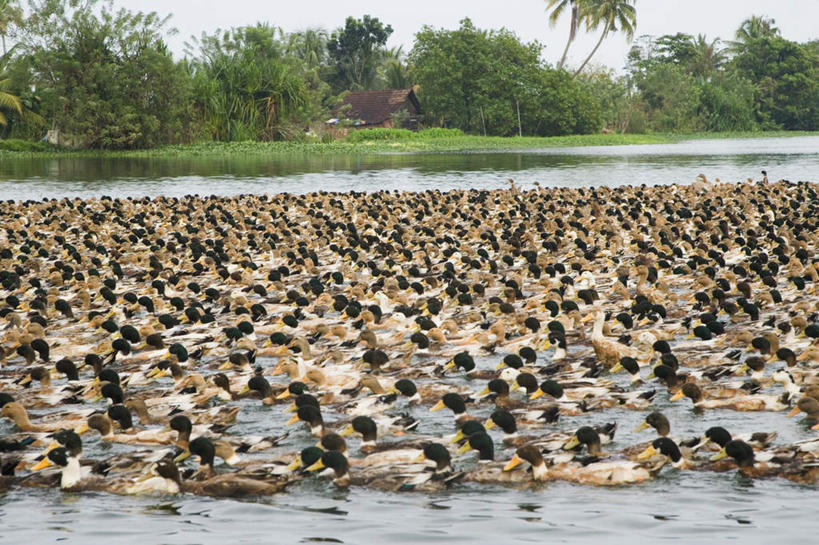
(686, 507)
(730, 160)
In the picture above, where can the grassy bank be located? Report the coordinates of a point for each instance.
(383, 141)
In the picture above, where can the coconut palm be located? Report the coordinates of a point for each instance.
(613, 16)
(576, 8)
(10, 15)
(756, 27)
(706, 57)
(8, 101)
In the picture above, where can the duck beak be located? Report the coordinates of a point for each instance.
(647, 453)
(79, 430)
(742, 369)
(573, 442)
(438, 406)
(536, 394)
(587, 318)
(513, 463)
(284, 395)
(347, 431)
(464, 448)
(185, 455)
(458, 436)
(419, 459)
(643, 425)
(293, 420)
(268, 343)
(484, 392)
(643, 322)
(292, 408)
(796, 410)
(315, 467)
(450, 364)
(226, 365)
(52, 446)
(489, 424)
(719, 456)
(678, 395)
(501, 365)
(244, 390)
(690, 336)
(615, 368)
(44, 463)
(546, 345)
(295, 464)
(26, 380)
(815, 427)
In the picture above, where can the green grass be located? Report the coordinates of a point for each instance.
(378, 141)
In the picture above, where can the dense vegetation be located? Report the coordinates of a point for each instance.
(102, 78)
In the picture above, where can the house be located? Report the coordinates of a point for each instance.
(385, 109)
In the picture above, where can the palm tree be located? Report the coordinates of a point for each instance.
(706, 57)
(611, 14)
(756, 27)
(577, 13)
(8, 101)
(10, 15)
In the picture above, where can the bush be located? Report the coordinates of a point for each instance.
(14, 144)
(370, 135)
(440, 132)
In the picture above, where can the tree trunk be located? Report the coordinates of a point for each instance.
(572, 36)
(596, 47)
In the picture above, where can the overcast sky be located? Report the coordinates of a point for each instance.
(797, 19)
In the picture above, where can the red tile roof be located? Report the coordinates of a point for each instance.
(374, 107)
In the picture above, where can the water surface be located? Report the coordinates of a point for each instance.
(677, 507)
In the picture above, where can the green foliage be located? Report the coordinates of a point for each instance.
(354, 52)
(784, 74)
(106, 76)
(18, 145)
(244, 87)
(479, 81)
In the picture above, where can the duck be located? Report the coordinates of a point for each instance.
(754, 402)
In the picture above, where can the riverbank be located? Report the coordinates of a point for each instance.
(380, 142)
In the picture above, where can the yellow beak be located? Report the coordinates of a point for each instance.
(484, 392)
(464, 448)
(573, 442)
(616, 368)
(719, 456)
(284, 395)
(501, 365)
(347, 431)
(458, 436)
(513, 463)
(44, 463)
(420, 458)
(794, 412)
(643, 425)
(293, 420)
(184, 456)
(677, 396)
(647, 453)
(315, 467)
(537, 394)
(449, 365)
(438, 406)
(79, 430)
(295, 464)
(489, 424)
(226, 365)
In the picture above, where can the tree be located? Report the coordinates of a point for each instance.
(8, 101)
(577, 12)
(10, 16)
(784, 76)
(489, 82)
(245, 88)
(355, 51)
(105, 76)
(611, 14)
(756, 27)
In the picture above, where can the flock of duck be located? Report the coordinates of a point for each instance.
(232, 346)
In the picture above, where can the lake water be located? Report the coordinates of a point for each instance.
(686, 507)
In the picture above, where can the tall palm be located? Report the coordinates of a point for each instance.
(558, 7)
(706, 57)
(10, 14)
(614, 16)
(8, 101)
(756, 27)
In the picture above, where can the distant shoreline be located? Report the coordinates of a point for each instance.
(465, 143)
